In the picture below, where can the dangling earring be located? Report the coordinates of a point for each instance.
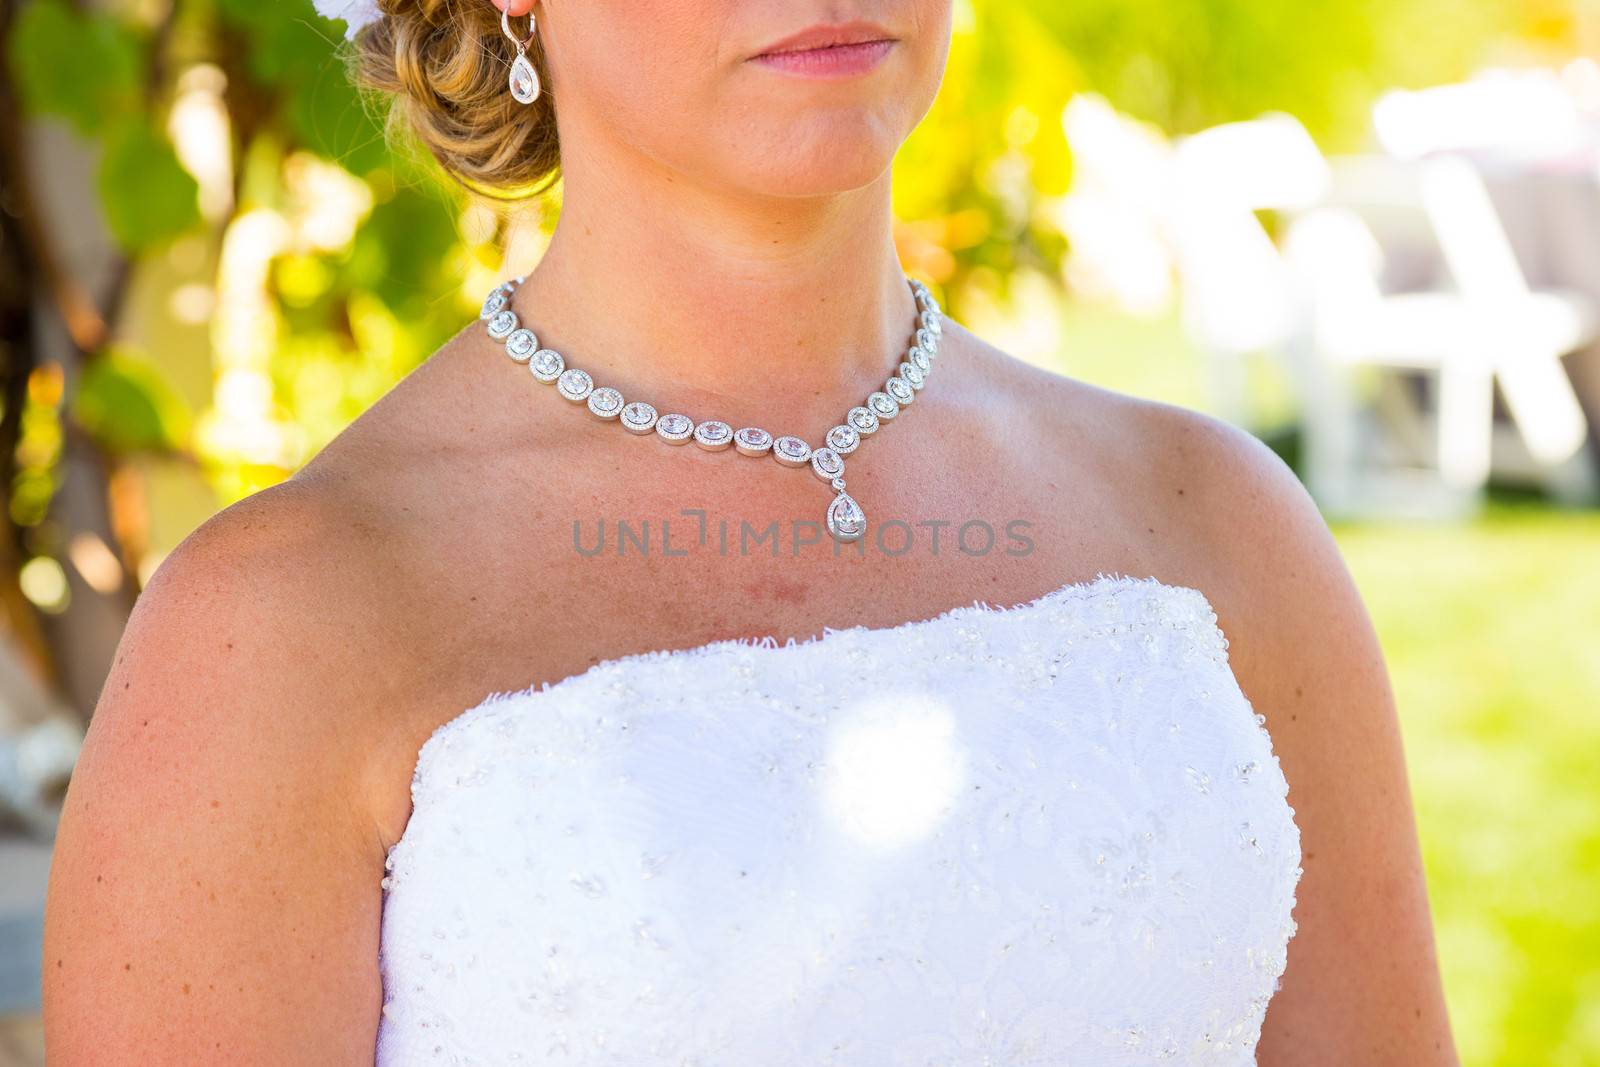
(524, 77)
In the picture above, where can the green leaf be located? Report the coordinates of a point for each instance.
(125, 404)
(86, 70)
(148, 197)
(331, 119)
(400, 252)
(303, 61)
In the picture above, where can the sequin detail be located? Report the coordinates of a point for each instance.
(802, 854)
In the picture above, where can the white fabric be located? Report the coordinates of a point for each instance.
(1048, 834)
(357, 14)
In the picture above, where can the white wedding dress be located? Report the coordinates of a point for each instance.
(1052, 834)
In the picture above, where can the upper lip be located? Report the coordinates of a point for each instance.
(823, 36)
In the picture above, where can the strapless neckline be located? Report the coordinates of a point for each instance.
(1025, 834)
(1084, 589)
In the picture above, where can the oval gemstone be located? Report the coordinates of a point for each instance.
(495, 303)
(502, 324)
(791, 451)
(844, 439)
(862, 420)
(575, 384)
(638, 417)
(605, 402)
(713, 435)
(521, 344)
(753, 441)
(546, 365)
(674, 429)
(827, 464)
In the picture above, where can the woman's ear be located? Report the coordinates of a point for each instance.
(516, 8)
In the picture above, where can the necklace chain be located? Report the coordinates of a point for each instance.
(845, 519)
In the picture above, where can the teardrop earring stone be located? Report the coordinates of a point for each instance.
(524, 80)
(846, 521)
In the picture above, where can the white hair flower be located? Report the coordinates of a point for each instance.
(355, 13)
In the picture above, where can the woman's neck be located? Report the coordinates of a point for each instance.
(784, 307)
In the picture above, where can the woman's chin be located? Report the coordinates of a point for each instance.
(821, 162)
(817, 181)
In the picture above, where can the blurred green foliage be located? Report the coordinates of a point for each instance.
(124, 401)
(1189, 64)
(147, 195)
(84, 69)
(974, 183)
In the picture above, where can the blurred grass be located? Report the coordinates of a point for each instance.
(1492, 633)
(1491, 630)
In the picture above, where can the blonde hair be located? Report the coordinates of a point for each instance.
(443, 67)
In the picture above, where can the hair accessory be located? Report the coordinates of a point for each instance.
(524, 78)
(356, 14)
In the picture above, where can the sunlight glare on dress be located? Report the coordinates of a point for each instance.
(896, 769)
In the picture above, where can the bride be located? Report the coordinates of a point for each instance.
(921, 707)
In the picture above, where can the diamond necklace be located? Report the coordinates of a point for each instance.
(846, 520)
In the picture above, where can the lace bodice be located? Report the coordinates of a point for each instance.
(1048, 834)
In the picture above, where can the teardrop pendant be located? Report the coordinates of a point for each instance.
(524, 80)
(846, 521)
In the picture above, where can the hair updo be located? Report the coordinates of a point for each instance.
(444, 65)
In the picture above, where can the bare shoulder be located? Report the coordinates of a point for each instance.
(1196, 501)
(1184, 495)
(271, 594)
(214, 878)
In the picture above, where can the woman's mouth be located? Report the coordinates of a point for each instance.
(828, 52)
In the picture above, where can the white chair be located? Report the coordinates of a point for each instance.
(1528, 114)
(1237, 298)
(1486, 327)
(1112, 216)
(1521, 332)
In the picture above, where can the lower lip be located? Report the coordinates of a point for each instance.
(834, 62)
